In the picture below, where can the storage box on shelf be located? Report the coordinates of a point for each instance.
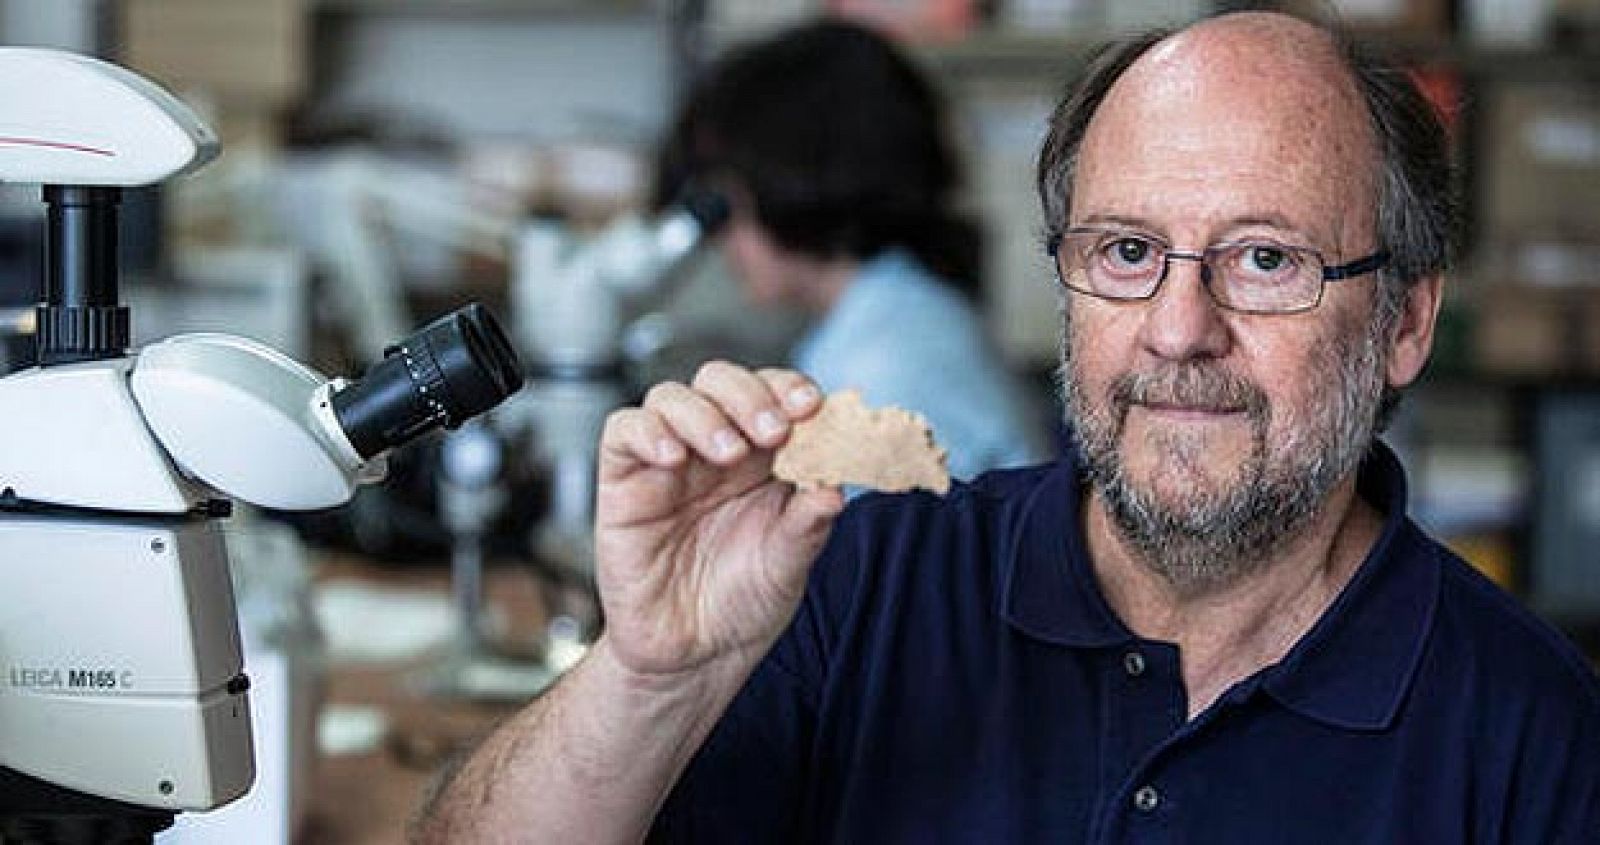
(1536, 315)
(1523, 332)
(1539, 161)
(1406, 19)
(222, 50)
(1588, 315)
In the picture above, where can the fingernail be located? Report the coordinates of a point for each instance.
(669, 450)
(726, 443)
(769, 424)
(802, 397)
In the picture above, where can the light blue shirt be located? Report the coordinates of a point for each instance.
(904, 338)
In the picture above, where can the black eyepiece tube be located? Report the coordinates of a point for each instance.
(79, 318)
(708, 207)
(453, 369)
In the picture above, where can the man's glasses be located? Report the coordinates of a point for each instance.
(1254, 276)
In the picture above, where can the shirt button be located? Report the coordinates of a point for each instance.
(1146, 799)
(1133, 664)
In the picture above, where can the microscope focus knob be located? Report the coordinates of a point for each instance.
(68, 334)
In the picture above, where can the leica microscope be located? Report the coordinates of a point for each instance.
(122, 688)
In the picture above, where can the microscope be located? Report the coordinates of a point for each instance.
(576, 302)
(123, 697)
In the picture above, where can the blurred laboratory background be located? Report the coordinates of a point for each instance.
(388, 160)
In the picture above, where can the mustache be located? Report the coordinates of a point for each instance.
(1198, 385)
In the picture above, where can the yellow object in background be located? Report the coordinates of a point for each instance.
(1490, 553)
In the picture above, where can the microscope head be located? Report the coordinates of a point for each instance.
(85, 129)
(99, 124)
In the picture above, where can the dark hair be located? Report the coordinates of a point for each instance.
(839, 141)
(1417, 203)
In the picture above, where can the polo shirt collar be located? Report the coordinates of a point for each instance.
(1051, 592)
(1351, 670)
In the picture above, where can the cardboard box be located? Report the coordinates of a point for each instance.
(1423, 19)
(1541, 159)
(1539, 310)
(1544, 260)
(1588, 315)
(251, 51)
(1524, 332)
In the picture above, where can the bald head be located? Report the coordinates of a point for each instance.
(1264, 64)
(1255, 43)
(1242, 118)
(1271, 58)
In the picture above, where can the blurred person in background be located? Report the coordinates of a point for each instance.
(833, 154)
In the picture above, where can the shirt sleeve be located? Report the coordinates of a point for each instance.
(1555, 783)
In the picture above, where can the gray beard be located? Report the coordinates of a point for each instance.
(1209, 539)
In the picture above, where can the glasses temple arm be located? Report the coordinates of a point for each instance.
(1359, 267)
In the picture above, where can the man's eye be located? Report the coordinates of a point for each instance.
(1129, 251)
(1266, 259)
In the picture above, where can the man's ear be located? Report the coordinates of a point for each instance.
(1413, 335)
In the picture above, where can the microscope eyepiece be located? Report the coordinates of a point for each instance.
(456, 367)
(707, 206)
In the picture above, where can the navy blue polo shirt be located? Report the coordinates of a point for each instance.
(954, 674)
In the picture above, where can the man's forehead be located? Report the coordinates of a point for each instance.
(1243, 96)
(1251, 43)
(1267, 61)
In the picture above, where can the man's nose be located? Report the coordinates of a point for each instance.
(1183, 321)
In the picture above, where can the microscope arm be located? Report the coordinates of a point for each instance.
(191, 418)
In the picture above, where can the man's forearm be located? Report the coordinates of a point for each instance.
(590, 761)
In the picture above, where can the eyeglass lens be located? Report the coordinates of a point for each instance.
(1250, 276)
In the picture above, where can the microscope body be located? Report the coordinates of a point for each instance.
(124, 673)
(121, 629)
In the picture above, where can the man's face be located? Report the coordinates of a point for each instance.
(1213, 435)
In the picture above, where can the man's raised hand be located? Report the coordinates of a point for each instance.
(700, 553)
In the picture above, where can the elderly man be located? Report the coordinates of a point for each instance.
(1214, 622)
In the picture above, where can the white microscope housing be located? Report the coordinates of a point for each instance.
(123, 678)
